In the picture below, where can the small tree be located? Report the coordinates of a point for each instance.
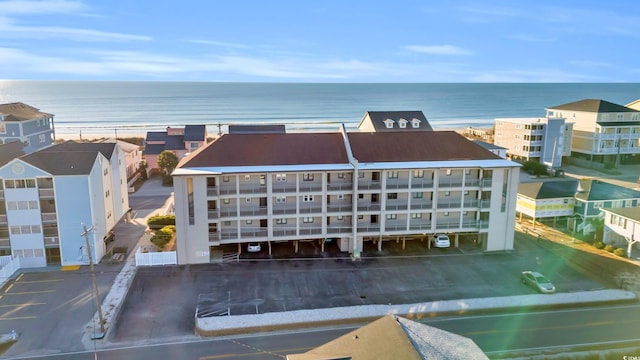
(167, 161)
(534, 168)
(143, 170)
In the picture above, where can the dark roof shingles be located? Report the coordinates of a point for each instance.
(593, 105)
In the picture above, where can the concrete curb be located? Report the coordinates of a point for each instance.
(227, 325)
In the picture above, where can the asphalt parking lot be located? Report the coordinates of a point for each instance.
(162, 301)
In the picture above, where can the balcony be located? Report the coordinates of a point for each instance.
(46, 193)
(253, 189)
(5, 242)
(281, 232)
(339, 208)
(212, 214)
(226, 235)
(226, 190)
(340, 186)
(397, 184)
(420, 226)
(3, 219)
(281, 210)
(396, 206)
(485, 204)
(369, 228)
(472, 182)
(310, 231)
(421, 205)
(420, 183)
(253, 232)
(472, 203)
(369, 185)
(1, 194)
(307, 187)
(450, 204)
(49, 217)
(369, 207)
(280, 187)
(450, 183)
(395, 227)
(51, 241)
(339, 230)
(212, 191)
(228, 212)
(253, 211)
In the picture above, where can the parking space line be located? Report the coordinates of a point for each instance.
(37, 281)
(31, 292)
(19, 277)
(18, 305)
(8, 288)
(19, 318)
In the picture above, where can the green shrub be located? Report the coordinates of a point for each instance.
(534, 168)
(609, 248)
(620, 252)
(598, 245)
(158, 221)
(163, 236)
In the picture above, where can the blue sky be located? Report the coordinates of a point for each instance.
(321, 41)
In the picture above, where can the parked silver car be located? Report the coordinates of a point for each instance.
(254, 247)
(538, 282)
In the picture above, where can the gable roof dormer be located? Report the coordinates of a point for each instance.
(388, 123)
(373, 121)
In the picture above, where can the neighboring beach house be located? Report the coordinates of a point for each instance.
(594, 195)
(546, 200)
(27, 124)
(180, 141)
(621, 226)
(498, 150)
(384, 121)
(132, 155)
(603, 132)
(47, 195)
(351, 187)
(544, 140)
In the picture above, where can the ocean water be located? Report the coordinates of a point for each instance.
(122, 107)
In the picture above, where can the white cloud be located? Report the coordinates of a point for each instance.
(219, 43)
(438, 49)
(12, 31)
(16, 7)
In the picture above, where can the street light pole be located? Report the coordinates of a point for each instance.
(96, 293)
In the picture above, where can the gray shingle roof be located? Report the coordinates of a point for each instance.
(488, 146)
(195, 133)
(19, 112)
(10, 151)
(105, 148)
(378, 118)
(63, 162)
(593, 105)
(596, 190)
(548, 189)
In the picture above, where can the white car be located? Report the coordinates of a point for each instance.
(254, 247)
(440, 241)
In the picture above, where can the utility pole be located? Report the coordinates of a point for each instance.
(96, 294)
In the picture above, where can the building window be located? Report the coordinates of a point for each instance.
(226, 201)
(263, 180)
(392, 174)
(106, 172)
(388, 123)
(446, 213)
(281, 199)
(247, 178)
(416, 216)
(190, 202)
(392, 216)
(619, 117)
(227, 223)
(225, 178)
(415, 123)
(448, 172)
(340, 217)
(418, 173)
(281, 177)
(447, 193)
(361, 175)
(417, 195)
(340, 175)
(340, 196)
(466, 192)
(281, 221)
(307, 198)
(307, 177)
(307, 220)
(248, 222)
(392, 196)
(106, 194)
(360, 196)
(360, 217)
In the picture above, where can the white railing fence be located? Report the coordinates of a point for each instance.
(156, 258)
(8, 266)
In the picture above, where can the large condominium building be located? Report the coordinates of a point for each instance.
(545, 140)
(352, 187)
(603, 132)
(24, 123)
(46, 197)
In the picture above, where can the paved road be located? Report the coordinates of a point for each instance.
(522, 333)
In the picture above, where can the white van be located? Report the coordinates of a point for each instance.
(440, 241)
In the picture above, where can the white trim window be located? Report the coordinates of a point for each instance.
(281, 221)
(393, 174)
(281, 177)
(418, 173)
(307, 177)
(281, 199)
(392, 216)
(307, 198)
(307, 220)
